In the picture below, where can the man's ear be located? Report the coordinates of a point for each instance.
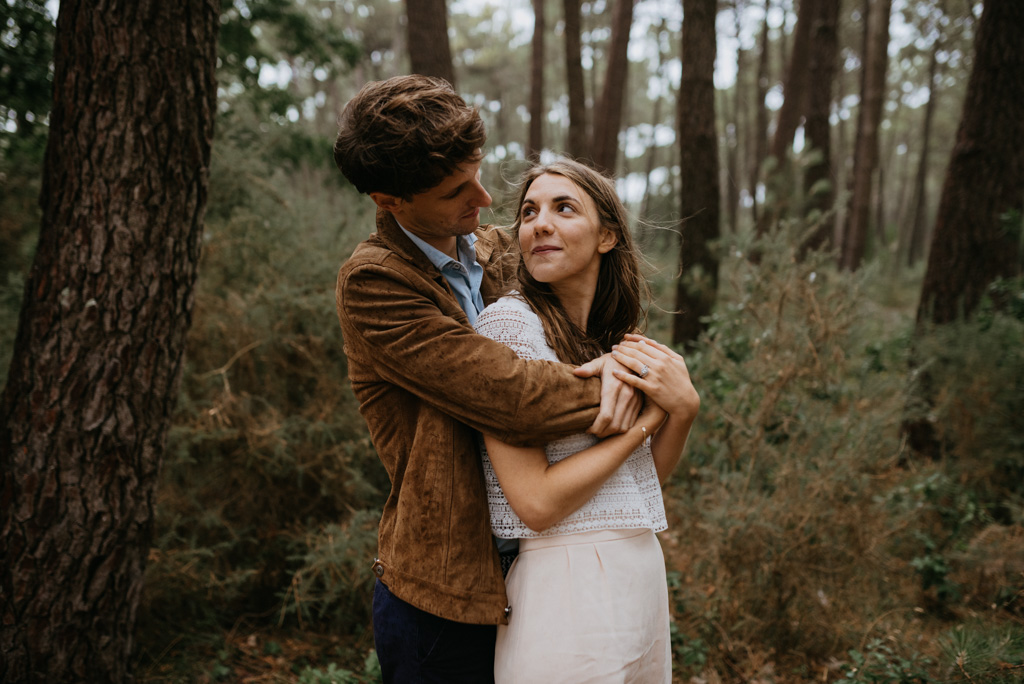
(608, 241)
(386, 202)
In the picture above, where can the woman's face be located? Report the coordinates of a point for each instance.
(561, 237)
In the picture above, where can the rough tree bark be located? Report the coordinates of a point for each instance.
(608, 115)
(977, 231)
(107, 305)
(698, 164)
(983, 195)
(577, 142)
(865, 160)
(819, 182)
(430, 53)
(536, 139)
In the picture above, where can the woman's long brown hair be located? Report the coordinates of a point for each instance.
(618, 306)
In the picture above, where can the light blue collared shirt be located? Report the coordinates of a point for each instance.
(464, 276)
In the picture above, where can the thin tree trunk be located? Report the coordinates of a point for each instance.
(915, 243)
(98, 354)
(577, 142)
(819, 182)
(761, 126)
(652, 152)
(430, 53)
(732, 137)
(537, 64)
(608, 116)
(794, 104)
(866, 152)
(698, 164)
(796, 83)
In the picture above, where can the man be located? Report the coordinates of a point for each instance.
(426, 382)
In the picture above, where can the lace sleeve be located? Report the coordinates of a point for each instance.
(512, 323)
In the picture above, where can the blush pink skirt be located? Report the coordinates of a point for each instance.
(587, 608)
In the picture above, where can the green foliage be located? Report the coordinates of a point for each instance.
(881, 663)
(333, 674)
(981, 652)
(26, 66)
(270, 488)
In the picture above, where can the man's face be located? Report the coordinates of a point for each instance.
(450, 208)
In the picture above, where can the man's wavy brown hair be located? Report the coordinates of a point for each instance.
(622, 292)
(405, 135)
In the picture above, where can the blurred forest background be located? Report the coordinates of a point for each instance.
(851, 504)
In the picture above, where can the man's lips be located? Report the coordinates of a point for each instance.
(472, 214)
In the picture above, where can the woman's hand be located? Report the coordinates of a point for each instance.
(666, 380)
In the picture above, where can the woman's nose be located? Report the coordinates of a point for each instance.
(542, 223)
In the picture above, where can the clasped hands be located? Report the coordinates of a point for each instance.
(635, 368)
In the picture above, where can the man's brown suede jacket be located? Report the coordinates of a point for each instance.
(426, 382)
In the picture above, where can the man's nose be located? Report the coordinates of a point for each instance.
(481, 198)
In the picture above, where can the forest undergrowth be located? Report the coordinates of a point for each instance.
(806, 541)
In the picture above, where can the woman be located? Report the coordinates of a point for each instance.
(588, 593)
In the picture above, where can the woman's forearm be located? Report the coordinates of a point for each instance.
(668, 444)
(541, 494)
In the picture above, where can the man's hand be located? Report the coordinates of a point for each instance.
(620, 403)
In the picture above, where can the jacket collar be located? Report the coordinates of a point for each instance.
(399, 242)
(389, 231)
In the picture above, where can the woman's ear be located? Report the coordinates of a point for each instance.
(607, 242)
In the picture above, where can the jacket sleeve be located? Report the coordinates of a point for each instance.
(411, 343)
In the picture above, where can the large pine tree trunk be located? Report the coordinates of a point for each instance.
(819, 182)
(876, 63)
(698, 164)
(974, 241)
(608, 116)
(577, 142)
(107, 306)
(536, 141)
(429, 51)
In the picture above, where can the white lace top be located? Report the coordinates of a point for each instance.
(630, 499)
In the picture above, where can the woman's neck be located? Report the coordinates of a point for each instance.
(576, 302)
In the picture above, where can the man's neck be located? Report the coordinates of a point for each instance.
(448, 245)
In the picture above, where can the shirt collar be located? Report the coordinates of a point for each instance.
(464, 247)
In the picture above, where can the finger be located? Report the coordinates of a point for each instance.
(622, 408)
(633, 360)
(632, 337)
(600, 426)
(630, 379)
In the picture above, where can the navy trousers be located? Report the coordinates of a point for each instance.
(415, 647)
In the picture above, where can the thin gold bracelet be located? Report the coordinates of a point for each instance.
(647, 437)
